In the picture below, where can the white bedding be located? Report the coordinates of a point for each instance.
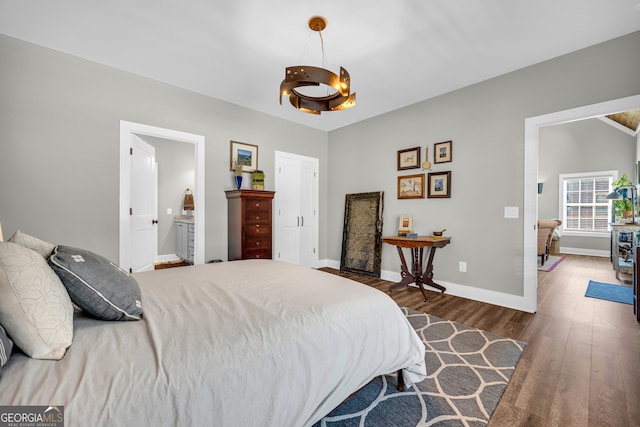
(238, 344)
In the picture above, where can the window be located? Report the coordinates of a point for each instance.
(584, 205)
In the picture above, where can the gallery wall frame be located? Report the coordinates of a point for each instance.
(245, 154)
(439, 185)
(411, 186)
(442, 152)
(409, 158)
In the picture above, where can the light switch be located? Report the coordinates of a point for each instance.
(511, 212)
(169, 211)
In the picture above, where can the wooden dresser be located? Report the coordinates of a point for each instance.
(250, 224)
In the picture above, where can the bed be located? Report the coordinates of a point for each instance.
(242, 343)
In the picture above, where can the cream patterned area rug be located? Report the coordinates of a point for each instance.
(468, 370)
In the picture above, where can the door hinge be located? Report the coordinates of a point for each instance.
(130, 211)
(131, 151)
(314, 250)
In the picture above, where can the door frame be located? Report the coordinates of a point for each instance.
(530, 191)
(126, 129)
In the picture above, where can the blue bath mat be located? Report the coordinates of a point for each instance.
(609, 292)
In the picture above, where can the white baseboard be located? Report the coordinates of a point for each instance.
(588, 252)
(477, 294)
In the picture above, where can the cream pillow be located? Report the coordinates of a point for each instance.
(23, 239)
(35, 307)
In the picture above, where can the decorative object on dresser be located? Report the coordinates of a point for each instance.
(439, 185)
(442, 152)
(409, 158)
(249, 224)
(362, 233)
(257, 180)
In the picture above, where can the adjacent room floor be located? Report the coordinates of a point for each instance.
(581, 366)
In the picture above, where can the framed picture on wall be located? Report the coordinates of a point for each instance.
(411, 186)
(442, 152)
(409, 158)
(245, 155)
(439, 185)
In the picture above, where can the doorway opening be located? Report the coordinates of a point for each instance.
(532, 125)
(128, 130)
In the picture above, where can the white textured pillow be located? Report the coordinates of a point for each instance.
(23, 239)
(35, 307)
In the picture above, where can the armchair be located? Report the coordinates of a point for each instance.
(546, 228)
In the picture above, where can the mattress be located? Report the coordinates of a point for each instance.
(242, 343)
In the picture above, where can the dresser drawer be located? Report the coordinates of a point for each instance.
(257, 217)
(263, 242)
(257, 205)
(257, 230)
(257, 254)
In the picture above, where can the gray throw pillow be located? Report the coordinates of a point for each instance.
(96, 285)
(6, 346)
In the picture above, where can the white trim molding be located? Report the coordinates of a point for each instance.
(128, 128)
(531, 126)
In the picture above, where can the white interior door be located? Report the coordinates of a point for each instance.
(287, 212)
(296, 209)
(144, 205)
(308, 212)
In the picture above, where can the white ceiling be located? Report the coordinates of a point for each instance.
(398, 52)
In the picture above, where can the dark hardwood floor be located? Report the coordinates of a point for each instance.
(581, 366)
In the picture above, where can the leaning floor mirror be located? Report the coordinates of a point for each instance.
(362, 234)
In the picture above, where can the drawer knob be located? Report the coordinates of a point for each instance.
(257, 205)
(257, 243)
(257, 217)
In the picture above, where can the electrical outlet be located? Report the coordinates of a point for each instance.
(463, 266)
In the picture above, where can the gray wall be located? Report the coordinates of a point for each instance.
(59, 141)
(486, 123)
(582, 146)
(59, 122)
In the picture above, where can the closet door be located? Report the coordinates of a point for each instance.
(296, 209)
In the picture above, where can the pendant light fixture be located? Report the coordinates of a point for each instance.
(300, 75)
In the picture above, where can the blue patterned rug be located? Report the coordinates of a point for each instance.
(468, 370)
(610, 292)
